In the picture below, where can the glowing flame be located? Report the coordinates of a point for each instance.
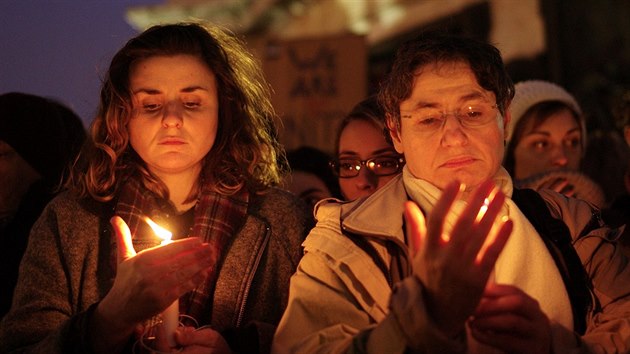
(486, 203)
(482, 210)
(159, 231)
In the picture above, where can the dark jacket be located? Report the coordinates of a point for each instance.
(14, 238)
(67, 269)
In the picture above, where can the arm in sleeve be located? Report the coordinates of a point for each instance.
(323, 316)
(608, 267)
(47, 315)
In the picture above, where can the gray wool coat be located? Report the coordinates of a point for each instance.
(66, 270)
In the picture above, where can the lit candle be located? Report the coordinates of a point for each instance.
(170, 316)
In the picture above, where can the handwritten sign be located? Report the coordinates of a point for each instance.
(316, 82)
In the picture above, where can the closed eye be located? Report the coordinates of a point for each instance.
(429, 120)
(151, 107)
(192, 105)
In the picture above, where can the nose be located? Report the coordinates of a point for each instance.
(172, 116)
(453, 133)
(559, 157)
(366, 180)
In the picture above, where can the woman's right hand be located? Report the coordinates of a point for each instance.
(146, 283)
(454, 268)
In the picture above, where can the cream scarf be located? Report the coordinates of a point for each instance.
(525, 261)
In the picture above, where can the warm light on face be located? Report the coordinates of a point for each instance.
(159, 231)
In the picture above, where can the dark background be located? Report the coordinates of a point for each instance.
(60, 48)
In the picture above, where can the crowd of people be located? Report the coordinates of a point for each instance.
(453, 216)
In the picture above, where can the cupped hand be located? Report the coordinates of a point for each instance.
(191, 340)
(510, 320)
(454, 268)
(204, 340)
(148, 282)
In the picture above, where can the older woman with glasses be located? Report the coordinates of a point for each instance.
(449, 257)
(365, 160)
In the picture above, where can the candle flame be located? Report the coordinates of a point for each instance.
(161, 232)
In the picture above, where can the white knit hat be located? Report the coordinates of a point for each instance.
(529, 93)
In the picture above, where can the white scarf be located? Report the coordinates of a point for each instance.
(525, 261)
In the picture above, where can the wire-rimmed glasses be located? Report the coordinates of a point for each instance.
(431, 119)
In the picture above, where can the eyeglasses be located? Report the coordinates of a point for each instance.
(380, 166)
(429, 119)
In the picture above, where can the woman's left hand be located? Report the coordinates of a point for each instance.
(201, 341)
(510, 320)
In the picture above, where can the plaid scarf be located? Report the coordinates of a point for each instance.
(217, 218)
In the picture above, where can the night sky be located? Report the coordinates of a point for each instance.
(61, 48)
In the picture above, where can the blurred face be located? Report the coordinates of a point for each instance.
(307, 186)
(458, 143)
(361, 140)
(553, 145)
(175, 113)
(16, 176)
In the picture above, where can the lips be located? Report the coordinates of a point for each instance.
(458, 162)
(172, 141)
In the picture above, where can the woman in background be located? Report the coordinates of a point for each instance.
(546, 142)
(365, 159)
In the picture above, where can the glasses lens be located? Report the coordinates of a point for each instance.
(347, 168)
(476, 115)
(384, 166)
(471, 115)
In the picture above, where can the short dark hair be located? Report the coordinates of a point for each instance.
(439, 47)
(368, 110)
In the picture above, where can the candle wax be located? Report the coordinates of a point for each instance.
(170, 316)
(170, 321)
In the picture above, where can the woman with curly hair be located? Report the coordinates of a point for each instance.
(184, 137)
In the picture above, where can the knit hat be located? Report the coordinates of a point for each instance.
(45, 133)
(530, 93)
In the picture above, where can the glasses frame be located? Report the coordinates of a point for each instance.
(400, 162)
(444, 116)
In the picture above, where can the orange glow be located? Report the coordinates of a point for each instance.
(159, 231)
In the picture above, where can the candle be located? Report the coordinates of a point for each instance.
(170, 316)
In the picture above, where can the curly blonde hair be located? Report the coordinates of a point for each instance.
(246, 152)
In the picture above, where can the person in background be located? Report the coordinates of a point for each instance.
(615, 165)
(365, 161)
(310, 179)
(39, 140)
(622, 116)
(449, 257)
(547, 141)
(184, 136)
(607, 161)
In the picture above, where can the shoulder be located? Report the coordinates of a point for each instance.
(581, 217)
(68, 215)
(277, 204)
(273, 197)
(66, 204)
(287, 216)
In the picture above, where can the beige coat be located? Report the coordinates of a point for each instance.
(341, 302)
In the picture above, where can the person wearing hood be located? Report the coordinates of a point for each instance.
(546, 142)
(39, 139)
